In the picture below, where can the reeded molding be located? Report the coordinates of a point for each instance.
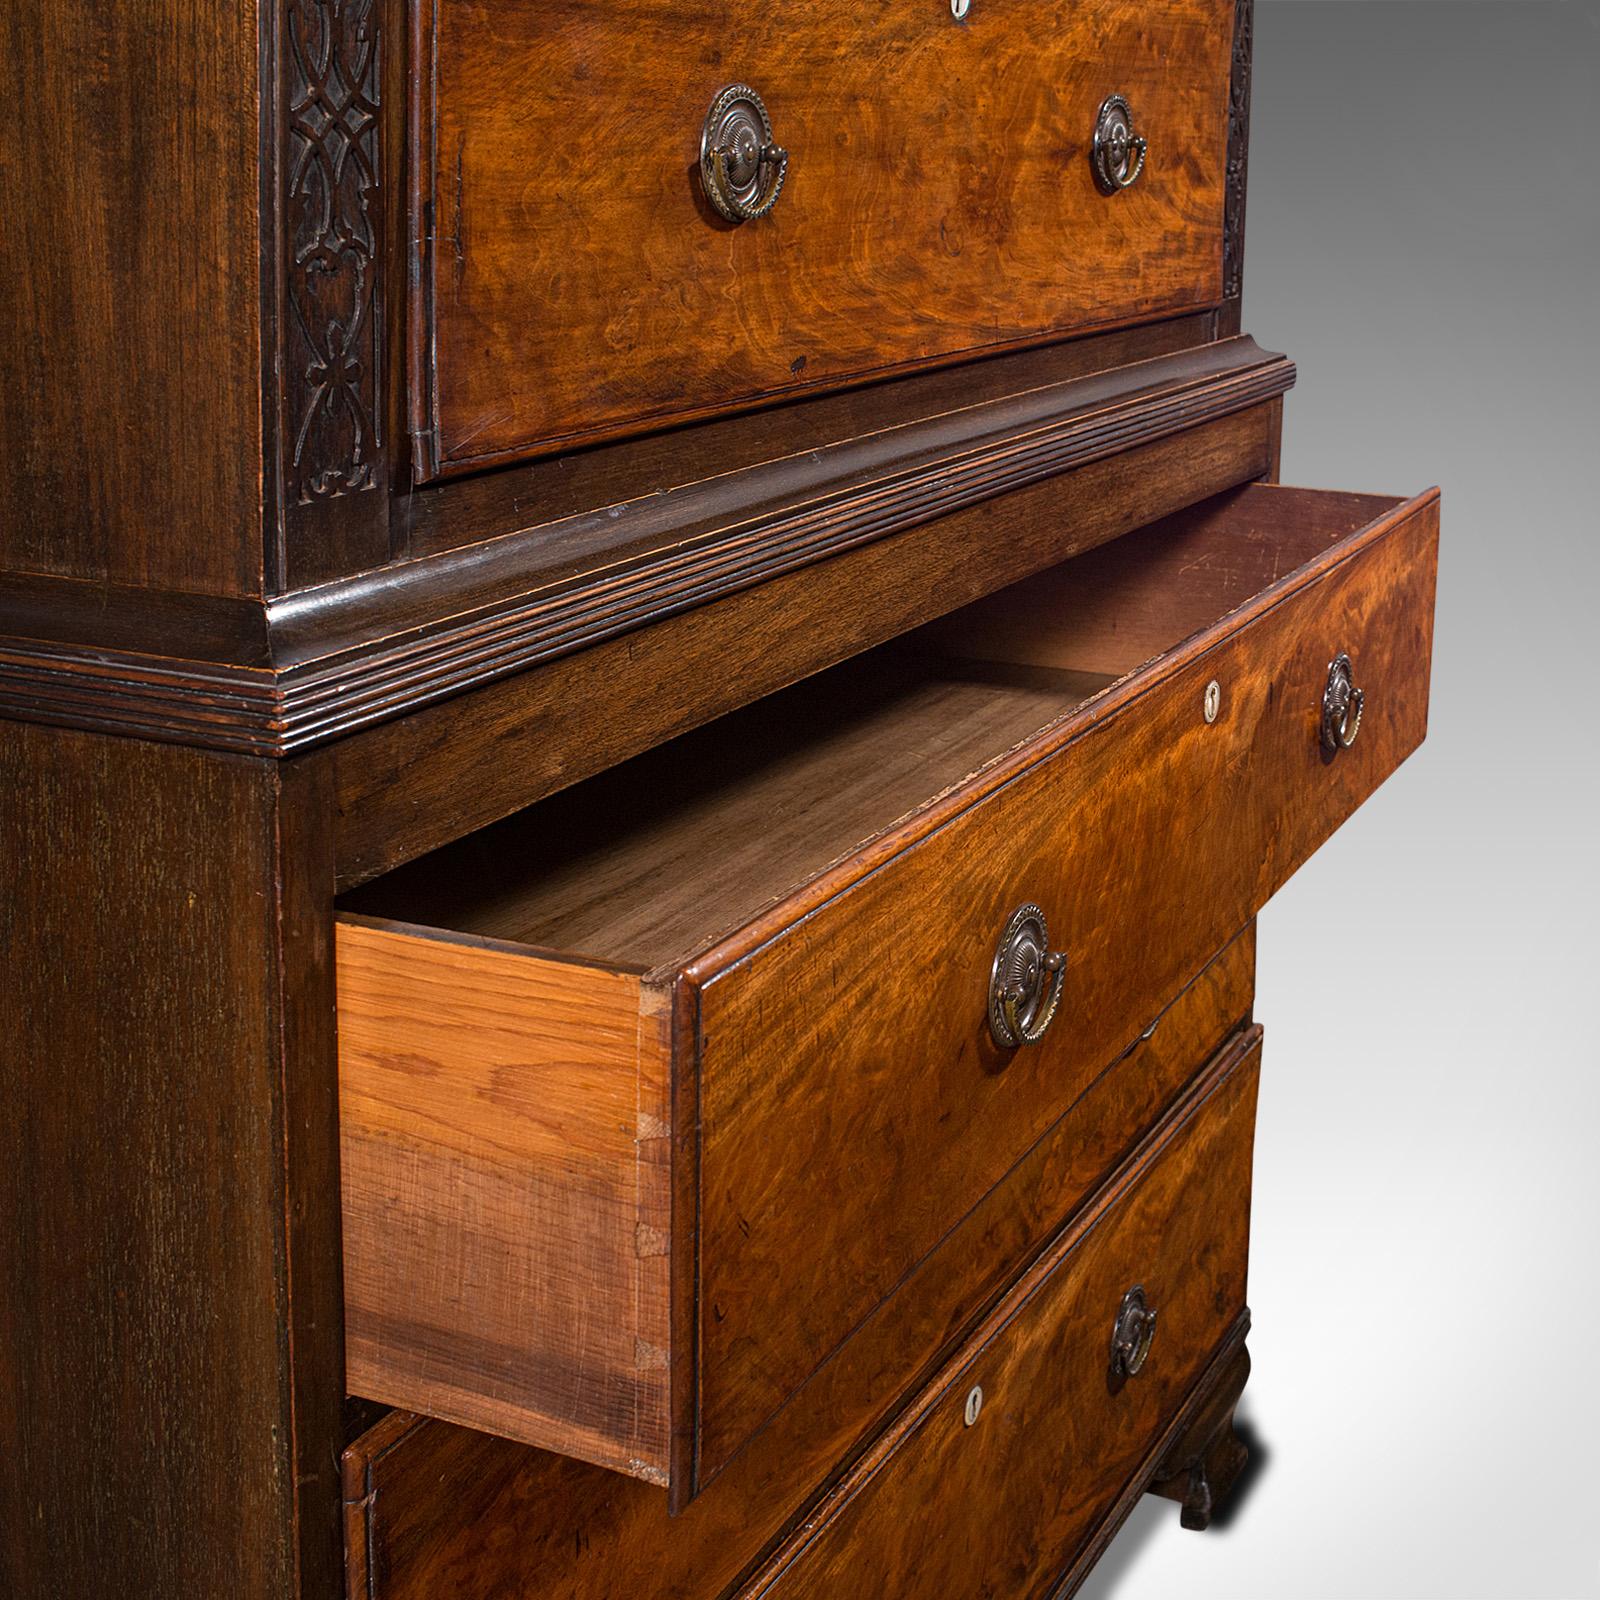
(323, 662)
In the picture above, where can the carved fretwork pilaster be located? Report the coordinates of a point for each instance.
(331, 185)
(331, 379)
(1238, 151)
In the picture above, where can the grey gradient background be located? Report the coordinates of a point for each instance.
(1424, 238)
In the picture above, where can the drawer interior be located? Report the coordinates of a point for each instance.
(642, 866)
(570, 1044)
(651, 862)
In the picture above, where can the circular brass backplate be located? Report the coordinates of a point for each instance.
(1025, 980)
(738, 130)
(1117, 154)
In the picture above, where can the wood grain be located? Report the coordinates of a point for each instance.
(409, 785)
(652, 861)
(504, 1169)
(1135, 825)
(210, 539)
(321, 663)
(1228, 1367)
(1200, 1469)
(998, 1508)
(516, 1520)
(572, 282)
(1128, 602)
(169, 1263)
(130, 324)
(784, 864)
(648, 864)
(440, 516)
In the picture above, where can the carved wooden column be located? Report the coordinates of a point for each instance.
(333, 431)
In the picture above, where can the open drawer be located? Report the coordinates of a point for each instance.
(650, 1094)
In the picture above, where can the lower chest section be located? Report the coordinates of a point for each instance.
(814, 1158)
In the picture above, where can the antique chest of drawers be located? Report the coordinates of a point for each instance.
(651, 671)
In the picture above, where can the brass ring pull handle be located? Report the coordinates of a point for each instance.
(741, 169)
(1025, 982)
(1134, 1333)
(1117, 153)
(1342, 705)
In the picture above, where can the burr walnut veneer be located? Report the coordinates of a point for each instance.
(651, 671)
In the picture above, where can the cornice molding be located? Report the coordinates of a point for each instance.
(342, 656)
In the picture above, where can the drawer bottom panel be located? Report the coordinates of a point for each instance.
(1008, 1465)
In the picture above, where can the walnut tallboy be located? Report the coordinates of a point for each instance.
(651, 671)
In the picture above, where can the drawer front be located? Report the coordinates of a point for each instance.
(436, 1509)
(939, 197)
(855, 1039)
(1008, 1464)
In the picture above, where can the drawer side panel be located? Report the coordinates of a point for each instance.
(442, 1509)
(504, 1179)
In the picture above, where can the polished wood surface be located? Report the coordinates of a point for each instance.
(1107, 821)
(1200, 1469)
(997, 1506)
(398, 442)
(594, 554)
(1217, 1391)
(130, 320)
(443, 516)
(573, 283)
(520, 1520)
(169, 1262)
(1176, 373)
(411, 784)
(772, 863)
(503, 1123)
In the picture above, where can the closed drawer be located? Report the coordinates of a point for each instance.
(939, 197)
(650, 1096)
(1002, 1471)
